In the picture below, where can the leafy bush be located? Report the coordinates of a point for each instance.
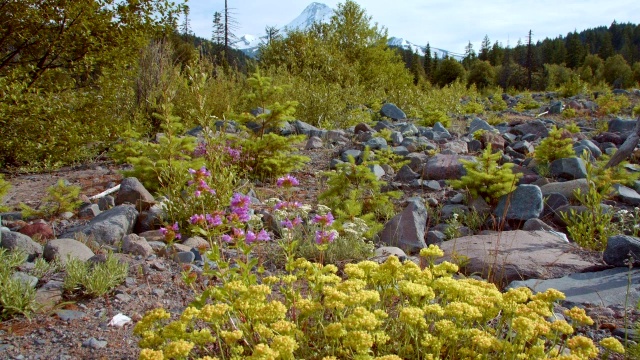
(60, 198)
(526, 102)
(16, 296)
(94, 279)
(481, 74)
(430, 118)
(608, 103)
(557, 145)
(448, 71)
(485, 178)
(380, 311)
(355, 192)
(388, 157)
(617, 72)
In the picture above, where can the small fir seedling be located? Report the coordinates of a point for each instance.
(557, 145)
(485, 178)
(60, 198)
(263, 93)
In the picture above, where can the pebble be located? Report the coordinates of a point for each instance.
(158, 292)
(94, 343)
(69, 315)
(158, 266)
(123, 297)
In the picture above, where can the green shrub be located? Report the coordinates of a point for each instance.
(156, 164)
(388, 157)
(609, 104)
(481, 74)
(94, 279)
(573, 86)
(430, 118)
(448, 71)
(390, 311)
(526, 102)
(60, 198)
(617, 72)
(16, 296)
(485, 178)
(355, 192)
(557, 145)
(270, 156)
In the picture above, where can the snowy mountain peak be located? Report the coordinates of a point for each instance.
(314, 12)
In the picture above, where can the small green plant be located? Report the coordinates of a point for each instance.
(494, 119)
(270, 156)
(272, 114)
(591, 228)
(430, 118)
(572, 127)
(473, 107)
(60, 198)
(94, 279)
(573, 86)
(569, 113)
(609, 104)
(485, 178)
(4, 189)
(355, 192)
(16, 296)
(557, 145)
(453, 226)
(388, 157)
(526, 102)
(43, 268)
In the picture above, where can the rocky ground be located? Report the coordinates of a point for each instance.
(79, 327)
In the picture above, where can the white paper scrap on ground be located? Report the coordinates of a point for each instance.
(120, 320)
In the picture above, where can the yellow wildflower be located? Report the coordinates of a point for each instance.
(582, 346)
(360, 341)
(518, 295)
(284, 345)
(271, 312)
(524, 328)
(433, 310)
(150, 319)
(263, 352)
(462, 311)
(149, 354)
(562, 327)
(433, 251)
(283, 327)
(612, 344)
(361, 318)
(178, 349)
(213, 313)
(231, 337)
(334, 331)
(353, 271)
(189, 313)
(413, 316)
(550, 296)
(579, 316)
(270, 280)
(416, 291)
(307, 306)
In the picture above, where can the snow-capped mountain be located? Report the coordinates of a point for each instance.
(319, 12)
(314, 13)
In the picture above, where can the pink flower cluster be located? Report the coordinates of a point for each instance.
(199, 178)
(171, 232)
(287, 181)
(323, 236)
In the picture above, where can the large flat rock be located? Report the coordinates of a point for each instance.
(601, 288)
(516, 255)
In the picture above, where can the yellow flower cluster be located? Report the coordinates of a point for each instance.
(389, 311)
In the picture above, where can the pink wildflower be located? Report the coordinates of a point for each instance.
(287, 181)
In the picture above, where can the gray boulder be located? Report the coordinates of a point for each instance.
(568, 168)
(407, 229)
(620, 248)
(627, 195)
(15, 241)
(392, 111)
(593, 148)
(479, 124)
(556, 107)
(133, 192)
(136, 245)
(621, 126)
(524, 203)
(110, 226)
(456, 146)
(376, 143)
(535, 127)
(313, 143)
(63, 249)
(603, 288)
(351, 153)
(377, 170)
(418, 160)
(382, 253)
(443, 167)
(517, 255)
(302, 127)
(405, 174)
(565, 188)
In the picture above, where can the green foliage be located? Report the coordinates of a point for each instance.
(526, 102)
(156, 163)
(355, 192)
(592, 69)
(16, 296)
(557, 145)
(43, 268)
(94, 279)
(617, 72)
(378, 311)
(388, 157)
(5, 186)
(591, 228)
(497, 103)
(448, 71)
(333, 67)
(485, 178)
(572, 127)
(430, 118)
(573, 86)
(570, 113)
(270, 156)
(473, 107)
(66, 93)
(609, 104)
(272, 115)
(481, 74)
(60, 198)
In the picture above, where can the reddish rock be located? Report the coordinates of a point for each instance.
(38, 231)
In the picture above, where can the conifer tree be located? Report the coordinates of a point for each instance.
(428, 62)
(485, 47)
(186, 23)
(530, 63)
(217, 35)
(469, 56)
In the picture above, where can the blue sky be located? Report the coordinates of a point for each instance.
(444, 24)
